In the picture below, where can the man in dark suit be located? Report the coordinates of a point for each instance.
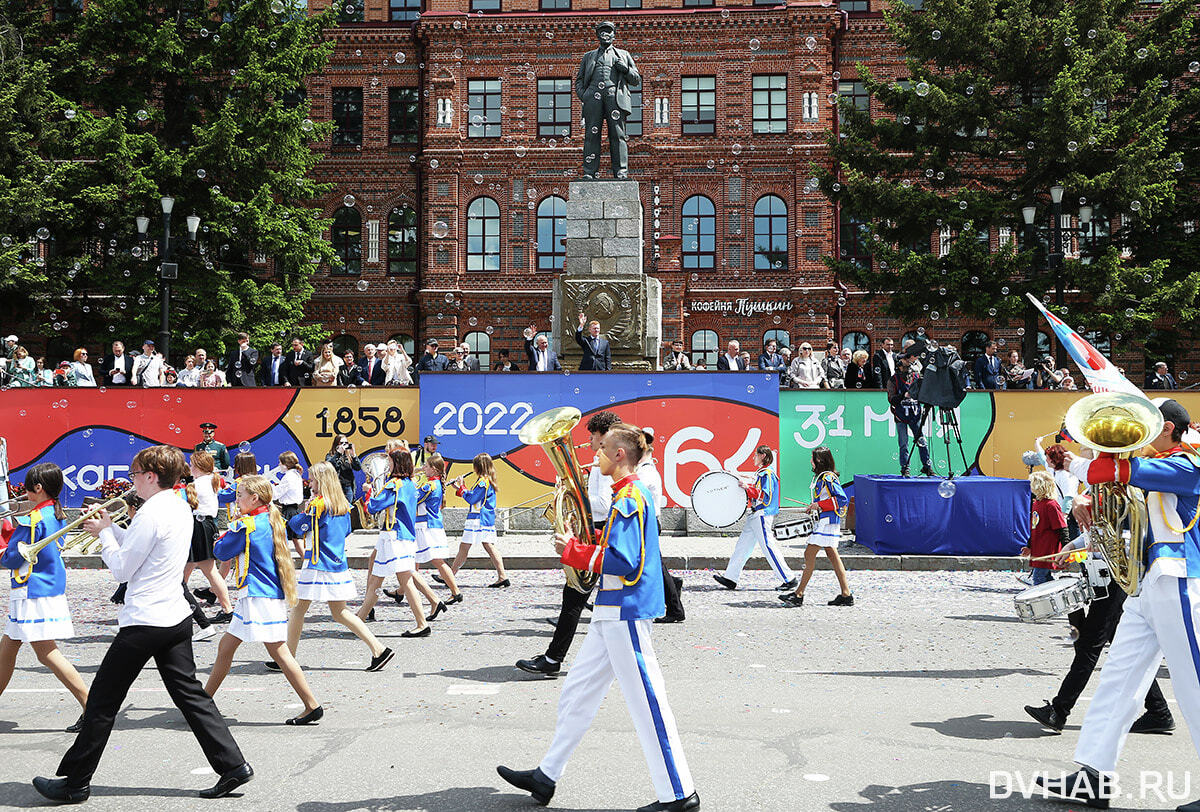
(596, 352)
(987, 368)
(371, 365)
(731, 359)
(883, 365)
(239, 366)
(541, 357)
(271, 370)
(117, 368)
(298, 364)
(602, 84)
(1160, 378)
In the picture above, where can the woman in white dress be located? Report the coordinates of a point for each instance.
(82, 369)
(397, 366)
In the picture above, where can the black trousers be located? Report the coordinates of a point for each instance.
(1096, 629)
(171, 649)
(671, 588)
(573, 602)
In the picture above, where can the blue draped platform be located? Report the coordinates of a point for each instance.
(900, 516)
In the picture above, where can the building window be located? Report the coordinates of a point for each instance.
(662, 111)
(704, 348)
(811, 111)
(770, 234)
(480, 344)
(343, 344)
(554, 107)
(770, 103)
(699, 105)
(404, 120)
(404, 11)
(624, 4)
(346, 237)
(70, 9)
(812, 253)
(854, 5)
(1100, 341)
(915, 5)
(484, 100)
(697, 3)
(351, 12)
(780, 337)
(555, 5)
(852, 94)
(347, 116)
(854, 240)
(485, 5)
(945, 241)
(855, 341)
(402, 240)
(974, 342)
(483, 235)
(445, 112)
(633, 124)
(698, 228)
(1043, 345)
(812, 218)
(551, 233)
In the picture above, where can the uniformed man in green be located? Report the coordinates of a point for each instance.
(220, 453)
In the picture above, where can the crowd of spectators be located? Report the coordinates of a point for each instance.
(388, 364)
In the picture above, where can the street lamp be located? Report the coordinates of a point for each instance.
(167, 271)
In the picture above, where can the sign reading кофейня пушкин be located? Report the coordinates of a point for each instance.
(743, 306)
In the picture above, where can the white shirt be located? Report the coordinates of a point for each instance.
(647, 472)
(147, 370)
(118, 363)
(733, 361)
(289, 490)
(599, 494)
(276, 373)
(149, 556)
(189, 377)
(206, 497)
(541, 360)
(1068, 488)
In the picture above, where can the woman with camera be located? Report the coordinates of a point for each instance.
(345, 461)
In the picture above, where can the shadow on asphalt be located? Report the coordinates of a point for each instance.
(455, 799)
(22, 794)
(952, 796)
(988, 618)
(489, 673)
(962, 673)
(984, 727)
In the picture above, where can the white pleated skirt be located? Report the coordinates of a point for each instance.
(431, 544)
(259, 620)
(34, 619)
(474, 534)
(320, 586)
(825, 534)
(393, 555)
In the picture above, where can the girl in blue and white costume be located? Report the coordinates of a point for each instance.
(38, 613)
(324, 523)
(480, 526)
(829, 500)
(432, 546)
(396, 548)
(265, 580)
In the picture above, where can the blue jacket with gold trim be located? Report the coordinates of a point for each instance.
(47, 577)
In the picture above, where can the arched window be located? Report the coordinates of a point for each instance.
(912, 335)
(481, 345)
(346, 237)
(344, 344)
(405, 341)
(402, 240)
(855, 341)
(483, 235)
(551, 232)
(1044, 347)
(698, 227)
(782, 337)
(974, 342)
(770, 234)
(704, 348)
(1100, 341)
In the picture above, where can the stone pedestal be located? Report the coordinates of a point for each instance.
(604, 278)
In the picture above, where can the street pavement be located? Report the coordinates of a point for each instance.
(910, 700)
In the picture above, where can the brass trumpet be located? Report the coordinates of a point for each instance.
(118, 510)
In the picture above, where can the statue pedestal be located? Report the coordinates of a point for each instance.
(603, 276)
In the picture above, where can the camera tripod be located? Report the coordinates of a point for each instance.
(948, 420)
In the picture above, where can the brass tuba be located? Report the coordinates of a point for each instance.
(572, 510)
(378, 467)
(1120, 424)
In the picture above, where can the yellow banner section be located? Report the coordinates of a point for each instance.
(368, 417)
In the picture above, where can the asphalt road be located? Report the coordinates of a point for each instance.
(911, 700)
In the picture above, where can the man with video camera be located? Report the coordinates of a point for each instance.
(908, 414)
(1045, 376)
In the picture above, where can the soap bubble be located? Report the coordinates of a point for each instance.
(440, 229)
(348, 201)
(307, 125)
(935, 34)
(947, 489)
(922, 88)
(244, 447)
(755, 44)
(362, 284)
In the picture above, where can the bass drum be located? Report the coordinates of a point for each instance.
(718, 499)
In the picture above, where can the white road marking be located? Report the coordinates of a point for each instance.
(815, 777)
(203, 771)
(472, 690)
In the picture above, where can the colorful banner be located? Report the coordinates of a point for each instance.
(1102, 374)
(701, 421)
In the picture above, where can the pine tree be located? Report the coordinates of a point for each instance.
(1004, 100)
(106, 109)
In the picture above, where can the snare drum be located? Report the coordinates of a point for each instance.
(1053, 598)
(718, 499)
(796, 528)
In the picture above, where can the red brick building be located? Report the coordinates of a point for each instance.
(457, 132)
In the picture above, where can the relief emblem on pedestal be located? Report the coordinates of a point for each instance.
(615, 304)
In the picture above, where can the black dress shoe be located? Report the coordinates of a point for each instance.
(437, 610)
(77, 726)
(725, 582)
(438, 578)
(1047, 716)
(687, 804)
(540, 665)
(1084, 786)
(1153, 723)
(384, 657)
(56, 789)
(228, 782)
(273, 666)
(205, 594)
(669, 619)
(310, 718)
(842, 600)
(788, 586)
(456, 599)
(1194, 806)
(371, 616)
(422, 633)
(395, 594)
(502, 584)
(534, 782)
(221, 617)
(792, 599)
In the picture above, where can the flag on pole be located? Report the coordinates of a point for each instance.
(1102, 375)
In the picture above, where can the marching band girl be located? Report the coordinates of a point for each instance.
(289, 487)
(395, 549)
(480, 526)
(764, 507)
(38, 613)
(206, 482)
(324, 525)
(432, 546)
(244, 464)
(829, 500)
(256, 543)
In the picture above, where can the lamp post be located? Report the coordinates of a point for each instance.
(1054, 256)
(164, 276)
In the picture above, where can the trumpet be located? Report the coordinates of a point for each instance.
(118, 510)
